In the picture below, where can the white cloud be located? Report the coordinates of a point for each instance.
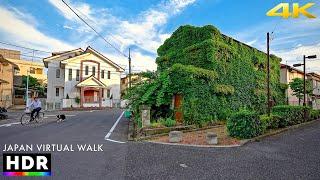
(145, 31)
(292, 38)
(17, 29)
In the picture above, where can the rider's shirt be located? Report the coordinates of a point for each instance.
(36, 104)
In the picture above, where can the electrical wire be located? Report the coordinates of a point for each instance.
(104, 39)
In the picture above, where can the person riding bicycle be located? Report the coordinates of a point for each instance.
(36, 105)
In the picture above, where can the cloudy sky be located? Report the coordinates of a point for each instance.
(143, 25)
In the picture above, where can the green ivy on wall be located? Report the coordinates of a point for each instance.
(215, 74)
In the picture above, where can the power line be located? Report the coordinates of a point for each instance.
(23, 47)
(94, 30)
(121, 42)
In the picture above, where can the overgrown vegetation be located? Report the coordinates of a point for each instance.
(245, 124)
(216, 76)
(291, 115)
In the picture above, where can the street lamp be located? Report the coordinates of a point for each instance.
(304, 79)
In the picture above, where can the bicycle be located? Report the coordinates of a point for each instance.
(26, 118)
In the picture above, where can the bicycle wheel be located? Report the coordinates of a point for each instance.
(40, 117)
(25, 119)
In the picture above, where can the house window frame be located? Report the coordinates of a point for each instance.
(93, 70)
(70, 74)
(77, 75)
(58, 73)
(87, 70)
(108, 93)
(57, 92)
(109, 74)
(32, 70)
(102, 74)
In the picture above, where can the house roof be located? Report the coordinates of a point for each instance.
(314, 75)
(283, 66)
(6, 62)
(83, 52)
(59, 54)
(90, 49)
(91, 81)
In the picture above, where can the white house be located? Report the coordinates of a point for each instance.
(82, 78)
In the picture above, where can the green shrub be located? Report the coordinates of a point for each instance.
(245, 124)
(168, 122)
(315, 114)
(272, 121)
(156, 125)
(290, 115)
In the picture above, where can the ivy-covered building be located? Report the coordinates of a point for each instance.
(213, 74)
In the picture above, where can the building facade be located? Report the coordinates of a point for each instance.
(25, 67)
(315, 98)
(7, 70)
(82, 78)
(287, 74)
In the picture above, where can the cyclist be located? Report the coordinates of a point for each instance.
(36, 105)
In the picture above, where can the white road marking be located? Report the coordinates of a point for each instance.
(112, 129)
(183, 165)
(9, 124)
(115, 141)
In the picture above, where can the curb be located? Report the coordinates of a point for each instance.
(195, 145)
(242, 142)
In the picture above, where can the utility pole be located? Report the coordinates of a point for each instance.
(129, 69)
(27, 89)
(304, 87)
(268, 73)
(304, 81)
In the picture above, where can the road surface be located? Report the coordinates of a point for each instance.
(291, 155)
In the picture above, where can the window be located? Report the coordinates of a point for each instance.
(32, 70)
(102, 74)
(78, 75)
(57, 92)
(39, 71)
(70, 74)
(108, 93)
(93, 70)
(57, 73)
(109, 74)
(16, 71)
(87, 70)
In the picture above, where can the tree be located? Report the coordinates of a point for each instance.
(297, 87)
(33, 84)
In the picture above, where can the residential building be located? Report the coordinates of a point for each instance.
(287, 74)
(82, 78)
(34, 69)
(7, 70)
(315, 79)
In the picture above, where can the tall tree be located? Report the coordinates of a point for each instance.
(297, 87)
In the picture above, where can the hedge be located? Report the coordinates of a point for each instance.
(272, 121)
(315, 114)
(291, 115)
(245, 124)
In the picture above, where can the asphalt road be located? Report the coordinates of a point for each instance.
(291, 155)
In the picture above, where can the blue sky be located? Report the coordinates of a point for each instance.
(143, 25)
